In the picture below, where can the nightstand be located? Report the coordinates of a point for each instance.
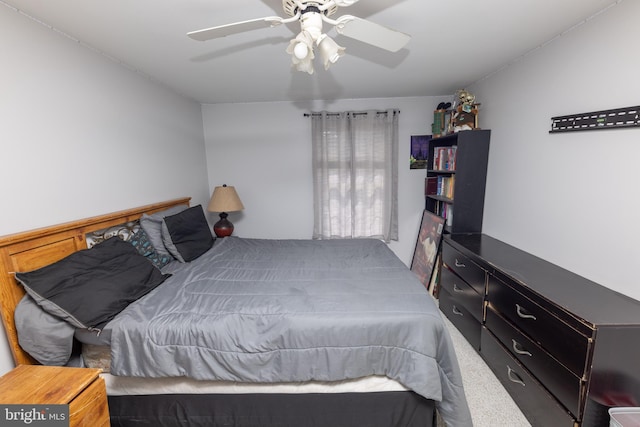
(82, 389)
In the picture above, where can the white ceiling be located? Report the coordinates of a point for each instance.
(454, 43)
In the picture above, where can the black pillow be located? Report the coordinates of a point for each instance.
(89, 287)
(187, 234)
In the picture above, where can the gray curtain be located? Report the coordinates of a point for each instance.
(355, 174)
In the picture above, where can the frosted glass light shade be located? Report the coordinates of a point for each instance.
(301, 51)
(329, 51)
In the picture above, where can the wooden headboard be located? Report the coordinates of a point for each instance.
(33, 249)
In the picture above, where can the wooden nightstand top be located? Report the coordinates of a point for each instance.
(37, 384)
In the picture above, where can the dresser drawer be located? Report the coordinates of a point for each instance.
(461, 318)
(464, 267)
(561, 382)
(462, 293)
(540, 407)
(566, 344)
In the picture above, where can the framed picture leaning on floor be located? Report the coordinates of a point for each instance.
(427, 245)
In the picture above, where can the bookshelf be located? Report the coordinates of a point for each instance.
(456, 177)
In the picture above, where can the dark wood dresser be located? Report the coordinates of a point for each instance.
(566, 349)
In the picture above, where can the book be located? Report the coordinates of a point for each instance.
(444, 158)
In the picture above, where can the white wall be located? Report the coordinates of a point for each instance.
(264, 150)
(82, 136)
(571, 198)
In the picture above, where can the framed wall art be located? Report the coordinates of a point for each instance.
(419, 151)
(427, 247)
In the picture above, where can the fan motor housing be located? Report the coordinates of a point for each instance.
(291, 8)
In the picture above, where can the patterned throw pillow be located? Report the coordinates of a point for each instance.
(141, 242)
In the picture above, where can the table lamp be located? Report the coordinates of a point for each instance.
(224, 199)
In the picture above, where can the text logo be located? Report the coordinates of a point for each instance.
(34, 415)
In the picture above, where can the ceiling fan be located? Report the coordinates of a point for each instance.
(312, 14)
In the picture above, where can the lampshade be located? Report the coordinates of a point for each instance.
(225, 199)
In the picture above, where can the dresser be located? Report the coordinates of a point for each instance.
(564, 347)
(82, 389)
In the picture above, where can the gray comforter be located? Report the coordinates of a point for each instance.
(253, 310)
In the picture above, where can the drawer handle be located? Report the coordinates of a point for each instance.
(514, 377)
(459, 264)
(456, 288)
(520, 350)
(524, 313)
(456, 311)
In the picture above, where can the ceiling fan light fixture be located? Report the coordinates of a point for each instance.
(301, 51)
(312, 14)
(330, 51)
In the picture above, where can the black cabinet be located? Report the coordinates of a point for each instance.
(456, 178)
(566, 348)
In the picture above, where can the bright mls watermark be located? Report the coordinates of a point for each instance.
(34, 415)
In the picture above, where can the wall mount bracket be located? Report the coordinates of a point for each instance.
(605, 119)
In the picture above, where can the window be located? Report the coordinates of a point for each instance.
(355, 169)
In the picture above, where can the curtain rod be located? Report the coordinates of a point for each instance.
(355, 114)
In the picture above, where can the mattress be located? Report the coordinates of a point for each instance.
(292, 314)
(129, 386)
(99, 356)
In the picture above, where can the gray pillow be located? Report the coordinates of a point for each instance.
(47, 338)
(152, 225)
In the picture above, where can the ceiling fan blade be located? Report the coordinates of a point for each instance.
(235, 28)
(371, 33)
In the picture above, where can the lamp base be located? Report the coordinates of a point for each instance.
(224, 227)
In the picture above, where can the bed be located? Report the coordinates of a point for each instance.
(233, 331)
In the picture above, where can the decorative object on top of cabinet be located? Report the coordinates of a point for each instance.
(465, 112)
(605, 119)
(464, 99)
(456, 177)
(427, 247)
(441, 125)
(462, 120)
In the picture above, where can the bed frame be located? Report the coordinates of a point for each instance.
(33, 249)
